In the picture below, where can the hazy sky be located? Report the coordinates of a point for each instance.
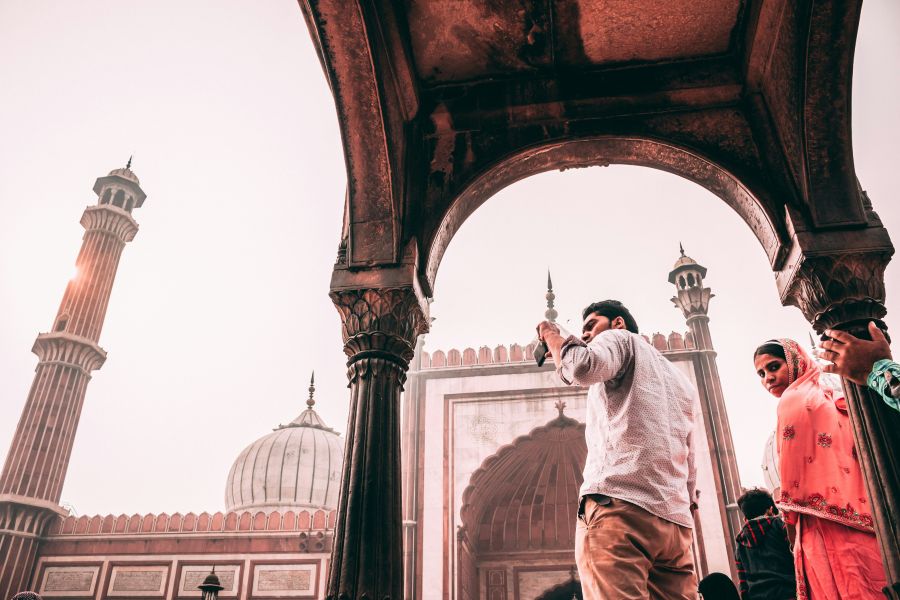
(220, 307)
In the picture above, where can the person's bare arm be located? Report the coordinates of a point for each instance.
(852, 357)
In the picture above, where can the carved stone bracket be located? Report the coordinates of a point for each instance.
(839, 289)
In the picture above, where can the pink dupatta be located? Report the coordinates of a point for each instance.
(820, 472)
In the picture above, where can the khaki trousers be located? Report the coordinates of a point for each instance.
(625, 553)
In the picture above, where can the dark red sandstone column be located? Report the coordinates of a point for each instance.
(380, 327)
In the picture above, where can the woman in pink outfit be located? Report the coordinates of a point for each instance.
(823, 496)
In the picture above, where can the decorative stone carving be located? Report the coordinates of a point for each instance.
(69, 349)
(109, 219)
(382, 323)
(839, 289)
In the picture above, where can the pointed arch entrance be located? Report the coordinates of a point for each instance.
(519, 509)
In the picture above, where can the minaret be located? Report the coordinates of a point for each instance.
(693, 300)
(35, 468)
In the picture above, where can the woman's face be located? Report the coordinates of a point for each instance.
(773, 373)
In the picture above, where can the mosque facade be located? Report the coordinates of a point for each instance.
(492, 445)
(497, 446)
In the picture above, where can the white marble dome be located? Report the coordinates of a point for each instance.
(298, 465)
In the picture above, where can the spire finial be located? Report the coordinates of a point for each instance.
(560, 406)
(310, 402)
(128, 164)
(681, 248)
(550, 314)
(812, 342)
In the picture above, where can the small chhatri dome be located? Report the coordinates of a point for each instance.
(298, 465)
(683, 260)
(126, 173)
(685, 264)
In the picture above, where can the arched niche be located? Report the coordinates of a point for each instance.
(525, 496)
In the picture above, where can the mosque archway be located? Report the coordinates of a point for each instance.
(519, 510)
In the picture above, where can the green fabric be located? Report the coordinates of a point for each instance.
(885, 379)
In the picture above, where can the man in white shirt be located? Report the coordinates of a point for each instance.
(634, 530)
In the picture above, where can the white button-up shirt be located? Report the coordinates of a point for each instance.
(640, 423)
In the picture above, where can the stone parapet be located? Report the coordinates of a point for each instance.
(515, 353)
(308, 521)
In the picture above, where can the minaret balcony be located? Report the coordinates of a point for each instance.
(69, 350)
(110, 219)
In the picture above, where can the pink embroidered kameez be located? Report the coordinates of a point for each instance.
(822, 490)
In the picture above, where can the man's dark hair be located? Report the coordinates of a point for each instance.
(612, 309)
(755, 502)
(772, 348)
(718, 586)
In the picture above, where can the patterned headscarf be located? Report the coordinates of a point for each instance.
(798, 361)
(27, 596)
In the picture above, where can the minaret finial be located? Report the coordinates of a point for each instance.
(128, 164)
(310, 402)
(812, 342)
(550, 314)
(681, 248)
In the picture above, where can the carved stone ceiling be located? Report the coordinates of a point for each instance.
(472, 39)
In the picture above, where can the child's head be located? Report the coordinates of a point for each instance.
(756, 502)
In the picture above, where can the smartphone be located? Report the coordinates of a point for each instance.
(540, 353)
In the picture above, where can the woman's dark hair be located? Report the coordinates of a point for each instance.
(718, 586)
(755, 502)
(612, 309)
(772, 348)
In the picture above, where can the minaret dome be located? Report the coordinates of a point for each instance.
(121, 189)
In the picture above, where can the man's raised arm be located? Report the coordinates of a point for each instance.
(583, 364)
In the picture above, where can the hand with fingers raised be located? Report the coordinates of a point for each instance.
(852, 357)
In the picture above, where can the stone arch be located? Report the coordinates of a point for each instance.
(749, 198)
(525, 496)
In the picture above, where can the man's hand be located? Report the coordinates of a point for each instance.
(545, 327)
(852, 357)
(549, 333)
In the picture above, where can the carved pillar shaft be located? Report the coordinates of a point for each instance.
(846, 291)
(379, 329)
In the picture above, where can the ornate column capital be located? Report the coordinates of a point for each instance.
(381, 322)
(383, 310)
(835, 290)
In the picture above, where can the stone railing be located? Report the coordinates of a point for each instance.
(674, 342)
(245, 521)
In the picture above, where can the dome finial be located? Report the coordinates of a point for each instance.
(550, 314)
(310, 402)
(681, 248)
(128, 164)
(560, 406)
